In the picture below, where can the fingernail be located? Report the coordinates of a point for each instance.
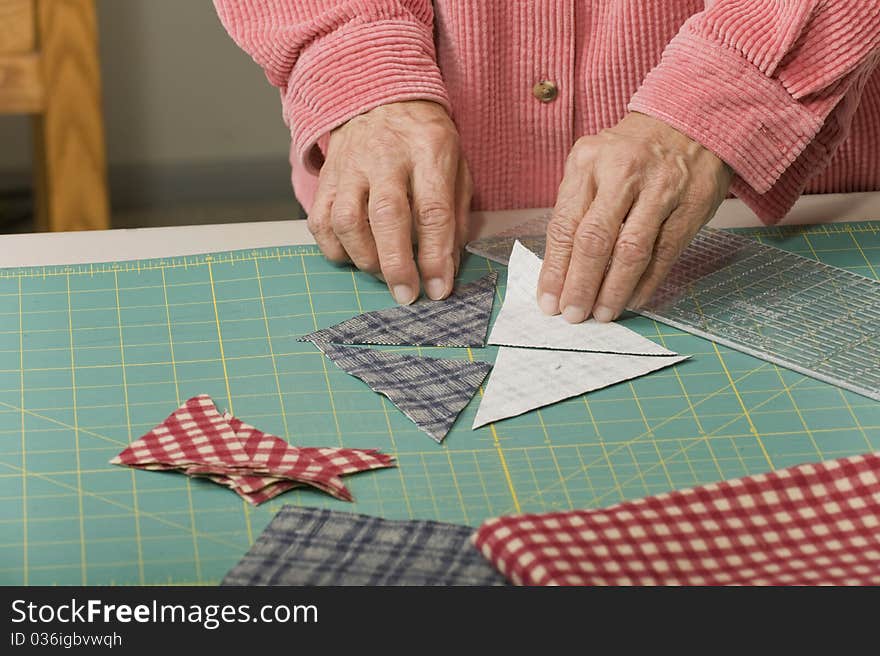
(435, 288)
(603, 314)
(549, 303)
(574, 314)
(403, 294)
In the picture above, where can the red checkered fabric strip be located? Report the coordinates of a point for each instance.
(271, 452)
(275, 453)
(269, 492)
(270, 456)
(806, 525)
(197, 440)
(194, 434)
(258, 478)
(348, 461)
(149, 466)
(340, 460)
(256, 497)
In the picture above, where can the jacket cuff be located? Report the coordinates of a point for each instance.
(711, 93)
(353, 70)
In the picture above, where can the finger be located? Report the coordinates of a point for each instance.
(574, 197)
(349, 221)
(391, 225)
(675, 235)
(632, 254)
(593, 244)
(319, 220)
(434, 207)
(463, 195)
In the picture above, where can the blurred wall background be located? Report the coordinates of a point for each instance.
(190, 120)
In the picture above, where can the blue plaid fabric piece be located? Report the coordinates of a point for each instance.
(430, 391)
(460, 320)
(311, 546)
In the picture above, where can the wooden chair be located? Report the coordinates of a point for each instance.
(49, 69)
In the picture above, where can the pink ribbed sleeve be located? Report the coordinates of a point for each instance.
(335, 59)
(768, 85)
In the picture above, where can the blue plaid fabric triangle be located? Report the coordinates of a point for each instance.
(460, 320)
(430, 391)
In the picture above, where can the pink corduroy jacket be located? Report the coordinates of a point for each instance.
(786, 92)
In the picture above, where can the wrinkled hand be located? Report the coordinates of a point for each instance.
(386, 170)
(631, 200)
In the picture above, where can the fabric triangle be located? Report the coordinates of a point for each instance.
(460, 320)
(348, 461)
(431, 392)
(522, 323)
(194, 434)
(271, 459)
(525, 379)
(339, 461)
(198, 441)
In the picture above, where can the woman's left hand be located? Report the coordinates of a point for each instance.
(631, 200)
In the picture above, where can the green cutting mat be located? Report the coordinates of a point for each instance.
(91, 357)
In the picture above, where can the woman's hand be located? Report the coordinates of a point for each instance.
(385, 170)
(631, 200)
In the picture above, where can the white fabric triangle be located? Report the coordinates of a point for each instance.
(524, 379)
(522, 323)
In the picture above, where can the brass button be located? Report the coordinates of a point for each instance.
(546, 91)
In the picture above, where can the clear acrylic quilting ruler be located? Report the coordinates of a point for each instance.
(804, 315)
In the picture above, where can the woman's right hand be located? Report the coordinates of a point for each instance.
(387, 170)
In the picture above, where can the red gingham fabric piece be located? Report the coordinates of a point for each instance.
(348, 461)
(251, 480)
(271, 458)
(814, 524)
(275, 452)
(270, 491)
(264, 447)
(341, 460)
(197, 440)
(194, 434)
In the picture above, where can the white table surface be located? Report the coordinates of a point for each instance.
(41, 249)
